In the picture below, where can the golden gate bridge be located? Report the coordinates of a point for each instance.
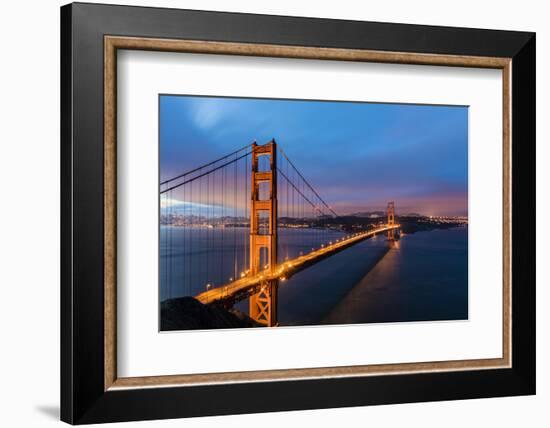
(237, 212)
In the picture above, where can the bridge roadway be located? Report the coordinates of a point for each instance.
(242, 287)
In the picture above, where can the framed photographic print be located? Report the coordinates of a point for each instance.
(265, 213)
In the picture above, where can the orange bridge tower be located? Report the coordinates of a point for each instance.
(391, 220)
(263, 233)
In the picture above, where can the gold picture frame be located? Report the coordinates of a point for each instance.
(114, 43)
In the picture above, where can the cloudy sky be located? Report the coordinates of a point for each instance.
(357, 155)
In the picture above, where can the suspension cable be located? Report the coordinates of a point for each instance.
(204, 173)
(205, 165)
(309, 185)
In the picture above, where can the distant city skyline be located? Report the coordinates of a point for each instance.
(357, 155)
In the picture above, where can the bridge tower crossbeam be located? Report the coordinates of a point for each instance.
(263, 237)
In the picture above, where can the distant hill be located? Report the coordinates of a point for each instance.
(369, 214)
(376, 214)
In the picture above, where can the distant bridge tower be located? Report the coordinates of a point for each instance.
(263, 233)
(391, 220)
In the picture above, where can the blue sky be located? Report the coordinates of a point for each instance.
(357, 155)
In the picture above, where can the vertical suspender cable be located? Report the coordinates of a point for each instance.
(235, 219)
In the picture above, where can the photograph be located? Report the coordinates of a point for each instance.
(296, 212)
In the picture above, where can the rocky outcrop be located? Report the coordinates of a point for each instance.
(187, 313)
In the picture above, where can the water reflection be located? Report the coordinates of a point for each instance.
(422, 277)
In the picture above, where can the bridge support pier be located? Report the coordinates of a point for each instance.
(263, 234)
(263, 304)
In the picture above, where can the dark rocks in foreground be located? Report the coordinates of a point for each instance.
(187, 313)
